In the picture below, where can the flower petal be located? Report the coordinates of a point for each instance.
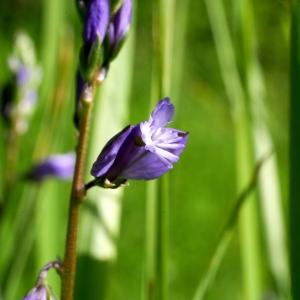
(149, 166)
(109, 152)
(163, 113)
(131, 150)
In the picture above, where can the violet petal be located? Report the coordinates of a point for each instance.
(108, 155)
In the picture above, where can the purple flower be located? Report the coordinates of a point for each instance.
(40, 292)
(118, 28)
(96, 21)
(143, 151)
(59, 165)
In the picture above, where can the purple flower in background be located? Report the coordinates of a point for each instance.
(103, 35)
(19, 94)
(143, 151)
(59, 165)
(96, 21)
(118, 28)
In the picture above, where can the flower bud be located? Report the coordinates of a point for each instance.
(117, 30)
(95, 26)
(40, 292)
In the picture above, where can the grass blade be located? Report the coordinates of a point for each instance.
(268, 181)
(235, 92)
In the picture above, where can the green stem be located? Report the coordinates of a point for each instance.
(234, 88)
(12, 154)
(163, 237)
(226, 235)
(294, 210)
(77, 197)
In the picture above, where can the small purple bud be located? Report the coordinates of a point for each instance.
(95, 27)
(40, 292)
(143, 151)
(96, 21)
(118, 28)
(59, 165)
(121, 21)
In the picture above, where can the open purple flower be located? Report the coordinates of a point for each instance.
(59, 165)
(143, 151)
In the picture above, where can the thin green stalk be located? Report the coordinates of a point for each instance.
(12, 155)
(248, 221)
(248, 226)
(158, 198)
(294, 193)
(77, 197)
(151, 240)
(163, 238)
(53, 12)
(270, 200)
(226, 235)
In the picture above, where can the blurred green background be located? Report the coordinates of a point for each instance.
(229, 80)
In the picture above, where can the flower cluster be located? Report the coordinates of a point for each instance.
(143, 151)
(105, 30)
(105, 27)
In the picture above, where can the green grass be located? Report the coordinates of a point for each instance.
(225, 65)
